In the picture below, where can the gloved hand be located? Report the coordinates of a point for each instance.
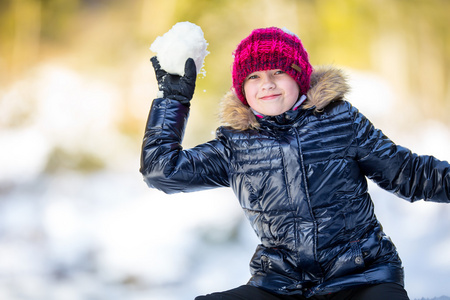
(176, 87)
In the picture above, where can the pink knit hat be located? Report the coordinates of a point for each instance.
(268, 49)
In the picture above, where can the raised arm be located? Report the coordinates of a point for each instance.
(164, 163)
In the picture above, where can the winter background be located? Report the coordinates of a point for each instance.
(76, 219)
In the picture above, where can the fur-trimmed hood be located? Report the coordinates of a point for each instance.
(327, 85)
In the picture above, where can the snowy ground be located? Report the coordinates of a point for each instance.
(105, 235)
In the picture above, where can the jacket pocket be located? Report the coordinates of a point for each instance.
(357, 255)
(350, 260)
(277, 261)
(378, 248)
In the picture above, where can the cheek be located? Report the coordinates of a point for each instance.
(293, 90)
(248, 89)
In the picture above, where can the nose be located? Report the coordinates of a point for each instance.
(267, 82)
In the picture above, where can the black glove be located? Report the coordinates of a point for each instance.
(176, 87)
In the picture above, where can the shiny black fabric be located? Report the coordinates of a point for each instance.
(301, 181)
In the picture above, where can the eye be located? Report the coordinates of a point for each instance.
(277, 72)
(252, 76)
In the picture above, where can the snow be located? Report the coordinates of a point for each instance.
(184, 40)
(105, 235)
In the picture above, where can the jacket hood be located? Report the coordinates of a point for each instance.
(327, 85)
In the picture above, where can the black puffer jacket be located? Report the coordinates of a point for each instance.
(301, 180)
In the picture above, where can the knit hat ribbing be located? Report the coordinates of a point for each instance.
(268, 49)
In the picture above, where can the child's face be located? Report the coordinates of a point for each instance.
(271, 92)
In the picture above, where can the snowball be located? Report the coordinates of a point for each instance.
(182, 41)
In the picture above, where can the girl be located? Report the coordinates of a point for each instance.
(297, 156)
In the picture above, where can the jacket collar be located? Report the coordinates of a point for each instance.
(327, 85)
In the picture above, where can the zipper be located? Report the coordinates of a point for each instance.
(314, 222)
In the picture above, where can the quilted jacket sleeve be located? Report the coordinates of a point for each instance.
(397, 169)
(169, 168)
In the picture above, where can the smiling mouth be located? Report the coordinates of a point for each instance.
(269, 97)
